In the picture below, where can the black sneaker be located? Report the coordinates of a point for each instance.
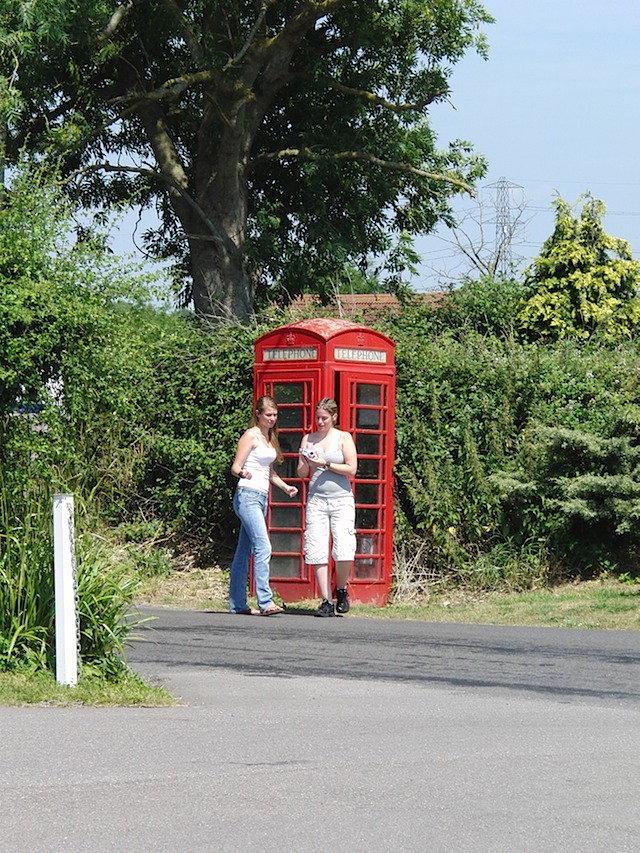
(343, 600)
(325, 609)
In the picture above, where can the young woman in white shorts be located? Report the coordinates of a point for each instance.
(329, 457)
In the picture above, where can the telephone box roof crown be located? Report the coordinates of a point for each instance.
(326, 328)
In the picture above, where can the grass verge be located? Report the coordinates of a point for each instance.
(603, 604)
(41, 688)
(592, 604)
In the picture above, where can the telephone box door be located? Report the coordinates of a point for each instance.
(369, 401)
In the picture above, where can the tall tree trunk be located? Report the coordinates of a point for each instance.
(212, 209)
(222, 287)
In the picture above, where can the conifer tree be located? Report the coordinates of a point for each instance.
(584, 282)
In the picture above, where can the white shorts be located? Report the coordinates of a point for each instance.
(335, 515)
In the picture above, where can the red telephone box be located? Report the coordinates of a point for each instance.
(299, 364)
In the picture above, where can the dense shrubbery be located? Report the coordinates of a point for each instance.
(515, 459)
(487, 467)
(69, 419)
(203, 386)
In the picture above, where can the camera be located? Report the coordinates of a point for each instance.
(309, 453)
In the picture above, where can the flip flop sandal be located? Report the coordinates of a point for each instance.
(272, 610)
(248, 611)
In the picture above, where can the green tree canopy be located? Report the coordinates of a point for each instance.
(278, 140)
(59, 295)
(584, 281)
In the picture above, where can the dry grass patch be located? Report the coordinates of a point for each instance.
(189, 587)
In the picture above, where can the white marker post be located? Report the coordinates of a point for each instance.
(66, 611)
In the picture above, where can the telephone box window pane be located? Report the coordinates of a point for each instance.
(369, 445)
(367, 544)
(286, 469)
(368, 469)
(282, 540)
(290, 418)
(368, 418)
(288, 392)
(367, 562)
(286, 516)
(366, 569)
(290, 442)
(367, 519)
(285, 567)
(367, 493)
(368, 395)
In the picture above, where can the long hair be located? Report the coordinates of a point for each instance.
(262, 403)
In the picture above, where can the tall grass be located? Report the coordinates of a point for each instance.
(26, 579)
(27, 611)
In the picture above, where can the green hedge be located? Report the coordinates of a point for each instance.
(513, 460)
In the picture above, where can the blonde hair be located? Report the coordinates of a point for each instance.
(329, 405)
(262, 403)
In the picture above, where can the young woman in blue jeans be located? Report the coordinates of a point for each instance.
(257, 450)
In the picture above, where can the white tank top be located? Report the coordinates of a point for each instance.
(258, 462)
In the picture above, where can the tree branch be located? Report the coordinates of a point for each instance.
(233, 61)
(115, 20)
(214, 232)
(299, 23)
(372, 98)
(305, 154)
(170, 89)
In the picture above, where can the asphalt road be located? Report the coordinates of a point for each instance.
(303, 734)
(570, 665)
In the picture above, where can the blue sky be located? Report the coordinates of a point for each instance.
(555, 109)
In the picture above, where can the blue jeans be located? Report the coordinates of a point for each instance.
(251, 508)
